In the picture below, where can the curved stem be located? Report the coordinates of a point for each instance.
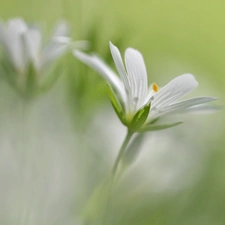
(106, 188)
(121, 152)
(114, 170)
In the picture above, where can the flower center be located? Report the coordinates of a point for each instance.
(155, 87)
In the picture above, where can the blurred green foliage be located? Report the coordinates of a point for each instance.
(175, 37)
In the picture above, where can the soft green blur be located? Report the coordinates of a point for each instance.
(74, 133)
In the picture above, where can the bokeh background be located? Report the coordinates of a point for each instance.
(52, 159)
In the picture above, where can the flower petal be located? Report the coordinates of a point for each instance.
(62, 28)
(14, 43)
(53, 50)
(33, 41)
(189, 103)
(82, 45)
(175, 89)
(17, 25)
(137, 76)
(119, 65)
(182, 106)
(203, 108)
(98, 65)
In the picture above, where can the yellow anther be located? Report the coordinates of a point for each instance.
(155, 87)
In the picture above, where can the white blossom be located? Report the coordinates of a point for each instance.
(25, 45)
(131, 86)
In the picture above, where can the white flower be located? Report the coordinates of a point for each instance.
(27, 59)
(133, 94)
(24, 44)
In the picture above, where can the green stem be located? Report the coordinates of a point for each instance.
(121, 152)
(27, 163)
(114, 171)
(104, 190)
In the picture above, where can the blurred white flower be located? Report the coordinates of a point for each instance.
(136, 104)
(24, 44)
(28, 61)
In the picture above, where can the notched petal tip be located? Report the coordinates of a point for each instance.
(132, 51)
(190, 78)
(210, 98)
(112, 47)
(17, 24)
(104, 70)
(111, 44)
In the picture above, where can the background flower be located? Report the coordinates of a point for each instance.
(28, 60)
(24, 44)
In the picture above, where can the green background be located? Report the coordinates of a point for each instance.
(174, 37)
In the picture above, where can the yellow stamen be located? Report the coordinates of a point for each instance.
(155, 87)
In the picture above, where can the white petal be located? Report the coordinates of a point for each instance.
(14, 42)
(150, 95)
(82, 45)
(203, 109)
(98, 65)
(175, 89)
(119, 65)
(61, 29)
(17, 25)
(54, 49)
(59, 46)
(62, 39)
(51, 52)
(189, 103)
(182, 106)
(33, 41)
(137, 75)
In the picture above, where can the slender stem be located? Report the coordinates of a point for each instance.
(114, 170)
(106, 188)
(27, 188)
(24, 151)
(121, 152)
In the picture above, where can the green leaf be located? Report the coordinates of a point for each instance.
(117, 106)
(159, 127)
(139, 118)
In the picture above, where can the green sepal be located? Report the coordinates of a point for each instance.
(159, 127)
(140, 118)
(117, 106)
(49, 80)
(9, 74)
(152, 121)
(31, 82)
